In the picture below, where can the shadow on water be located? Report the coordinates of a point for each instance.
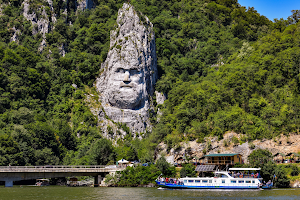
(61, 192)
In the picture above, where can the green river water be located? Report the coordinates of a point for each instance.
(62, 192)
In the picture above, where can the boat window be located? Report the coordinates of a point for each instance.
(248, 181)
(197, 181)
(232, 181)
(185, 181)
(210, 181)
(204, 181)
(253, 181)
(191, 181)
(241, 181)
(224, 176)
(223, 181)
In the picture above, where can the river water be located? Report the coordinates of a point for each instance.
(63, 192)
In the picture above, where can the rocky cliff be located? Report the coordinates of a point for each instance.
(85, 4)
(43, 18)
(231, 143)
(39, 19)
(129, 73)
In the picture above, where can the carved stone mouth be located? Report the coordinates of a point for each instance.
(130, 85)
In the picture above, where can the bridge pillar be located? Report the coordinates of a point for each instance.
(96, 182)
(9, 183)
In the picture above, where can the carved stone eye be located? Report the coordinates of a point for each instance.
(120, 70)
(134, 71)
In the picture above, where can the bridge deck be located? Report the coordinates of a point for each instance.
(9, 174)
(61, 168)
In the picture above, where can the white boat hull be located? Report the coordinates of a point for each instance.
(212, 186)
(221, 180)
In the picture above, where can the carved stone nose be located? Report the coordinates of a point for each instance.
(126, 77)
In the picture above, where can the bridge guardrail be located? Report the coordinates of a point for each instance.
(63, 166)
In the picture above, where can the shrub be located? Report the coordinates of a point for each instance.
(259, 157)
(188, 170)
(251, 145)
(235, 140)
(295, 171)
(226, 143)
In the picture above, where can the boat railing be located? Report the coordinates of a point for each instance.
(245, 176)
(172, 183)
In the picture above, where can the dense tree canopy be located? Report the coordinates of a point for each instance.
(262, 158)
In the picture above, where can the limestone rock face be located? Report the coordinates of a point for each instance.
(282, 144)
(129, 72)
(84, 4)
(15, 37)
(41, 24)
(160, 97)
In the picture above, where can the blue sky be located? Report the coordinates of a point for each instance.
(272, 8)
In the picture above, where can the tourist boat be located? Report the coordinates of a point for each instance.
(221, 180)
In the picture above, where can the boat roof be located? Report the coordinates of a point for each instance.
(244, 169)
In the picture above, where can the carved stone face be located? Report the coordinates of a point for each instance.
(125, 85)
(130, 69)
(129, 73)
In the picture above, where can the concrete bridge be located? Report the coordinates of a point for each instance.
(9, 174)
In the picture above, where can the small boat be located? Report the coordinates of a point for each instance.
(268, 185)
(220, 180)
(73, 182)
(42, 182)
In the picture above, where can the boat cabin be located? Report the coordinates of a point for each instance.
(226, 179)
(245, 172)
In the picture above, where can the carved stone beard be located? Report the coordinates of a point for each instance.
(127, 97)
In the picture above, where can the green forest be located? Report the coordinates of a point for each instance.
(223, 67)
